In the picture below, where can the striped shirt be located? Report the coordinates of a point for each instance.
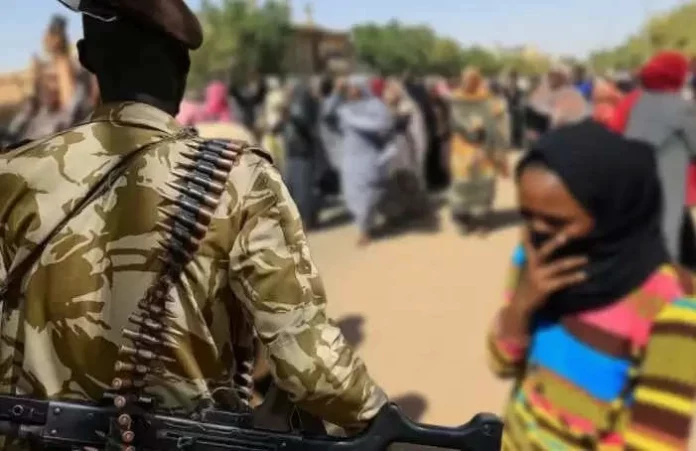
(622, 377)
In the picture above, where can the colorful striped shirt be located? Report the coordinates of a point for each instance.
(622, 377)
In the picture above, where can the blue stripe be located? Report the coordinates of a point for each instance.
(686, 303)
(601, 375)
(518, 256)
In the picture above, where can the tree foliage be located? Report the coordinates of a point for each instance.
(674, 31)
(241, 37)
(394, 48)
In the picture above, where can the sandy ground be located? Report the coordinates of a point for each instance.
(418, 306)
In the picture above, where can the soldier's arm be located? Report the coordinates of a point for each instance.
(274, 275)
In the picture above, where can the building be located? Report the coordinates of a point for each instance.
(316, 49)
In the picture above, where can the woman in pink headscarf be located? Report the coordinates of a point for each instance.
(216, 107)
(189, 113)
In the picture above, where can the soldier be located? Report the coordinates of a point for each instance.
(84, 216)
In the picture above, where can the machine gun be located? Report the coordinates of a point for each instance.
(56, 425)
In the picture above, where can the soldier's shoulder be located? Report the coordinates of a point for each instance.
(75, 134)
(254, 162)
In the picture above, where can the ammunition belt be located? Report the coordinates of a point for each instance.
(199, 182)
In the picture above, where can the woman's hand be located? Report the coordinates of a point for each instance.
(544, 275)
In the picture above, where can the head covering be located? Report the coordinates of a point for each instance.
(58, 24)
(441, 89)
(216, 106)
(562, 69)
(377, 85)
(361, 82)
(473, 82)
(189, 113)
(666, 71)
(564, 105)
(622, 113)
(472, 85)
(622, 194)
(172, 17)
(368, 108)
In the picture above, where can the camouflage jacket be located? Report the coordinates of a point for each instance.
(61, 332)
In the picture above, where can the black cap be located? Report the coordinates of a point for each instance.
(172, 17)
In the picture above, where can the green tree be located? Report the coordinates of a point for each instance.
(240, 36)
(394, 48)
(673, 30)
(447, 57)
(479, 57)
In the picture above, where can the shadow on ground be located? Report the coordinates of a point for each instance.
(334, 214)
(502, 219)
(352, 328)
(497, 220)
(412, 404)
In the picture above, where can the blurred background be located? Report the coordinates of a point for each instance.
(415, 291)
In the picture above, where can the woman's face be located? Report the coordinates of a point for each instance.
(548, 207)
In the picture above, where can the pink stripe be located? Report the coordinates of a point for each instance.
(613, 439)
(622, 318)
(512, 349)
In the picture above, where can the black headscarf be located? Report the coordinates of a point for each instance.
(615, 180)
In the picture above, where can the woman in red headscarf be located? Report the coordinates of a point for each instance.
(217, 107)
(658, 113)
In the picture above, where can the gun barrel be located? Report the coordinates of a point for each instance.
(67, 425)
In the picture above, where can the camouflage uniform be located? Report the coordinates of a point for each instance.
(253, 270)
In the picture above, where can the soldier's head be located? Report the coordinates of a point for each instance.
(139, 49)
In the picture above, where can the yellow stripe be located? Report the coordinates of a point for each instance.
(522, 412)
(664, 401)
(668, 270)
(555, 422)
(641, 441)
(548, 437)
(508, 444)
(601, 447)
(676, 314)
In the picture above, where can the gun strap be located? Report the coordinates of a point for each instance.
(18, 271)
(199, 182)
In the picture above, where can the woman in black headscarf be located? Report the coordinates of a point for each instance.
(594, 301)
(609, 213)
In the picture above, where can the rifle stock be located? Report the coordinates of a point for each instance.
(57, 425)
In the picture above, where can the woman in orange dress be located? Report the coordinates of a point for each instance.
(480, 136)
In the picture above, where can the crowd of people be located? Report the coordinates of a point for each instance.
(381, 142)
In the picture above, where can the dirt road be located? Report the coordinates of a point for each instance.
(419, 305)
